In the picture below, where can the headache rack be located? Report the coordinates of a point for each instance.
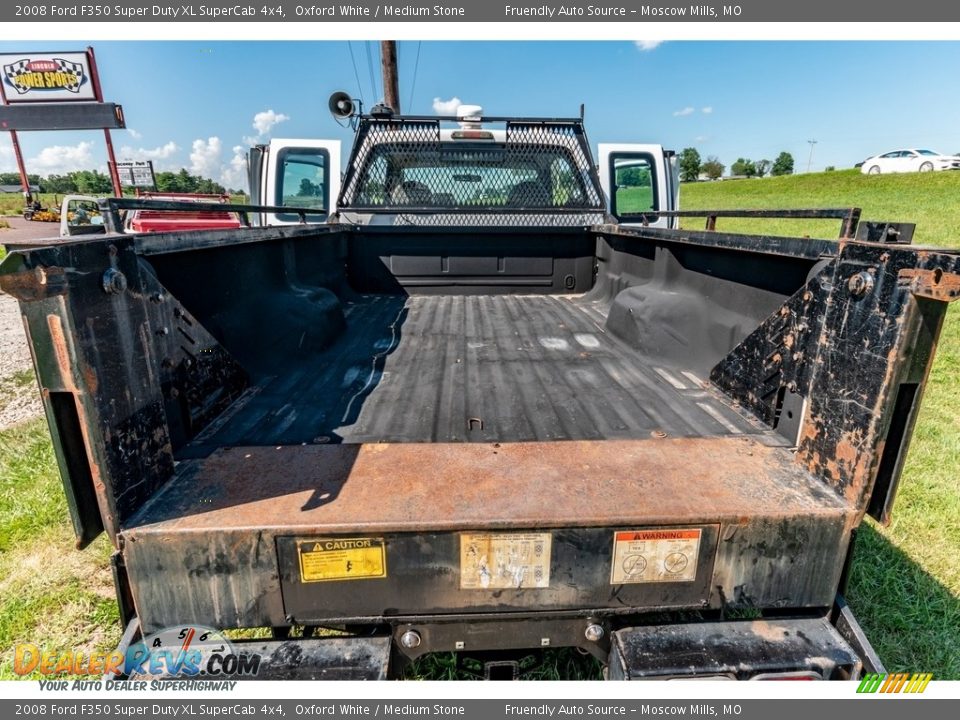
(409, 166)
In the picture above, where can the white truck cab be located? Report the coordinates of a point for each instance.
(292, 172)
(638, 180)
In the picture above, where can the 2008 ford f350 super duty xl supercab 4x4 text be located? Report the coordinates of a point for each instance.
(498, 401)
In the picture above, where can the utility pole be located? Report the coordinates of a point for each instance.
(810, 159)
(391, 83)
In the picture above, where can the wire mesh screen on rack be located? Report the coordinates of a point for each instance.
(409, 166)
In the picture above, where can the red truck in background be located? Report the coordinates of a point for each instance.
(80, 215)
(148, 221)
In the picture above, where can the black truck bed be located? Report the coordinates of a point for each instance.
(475, 368)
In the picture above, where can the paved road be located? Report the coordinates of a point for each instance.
(26, 230)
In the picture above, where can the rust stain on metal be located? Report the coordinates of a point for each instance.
(36, 284)
(62, 354)
(442, 486)
(931, 284)
(768, 630)
(90, 378)
(60, 351)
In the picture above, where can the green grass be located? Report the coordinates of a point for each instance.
(52, 595)
(906, 578)
(905, 584)
(12, 203)
(928, 199)
(634, 200)
(12, 387)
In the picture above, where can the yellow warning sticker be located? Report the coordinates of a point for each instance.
(325, 559)
(496, 561)
(653, 556)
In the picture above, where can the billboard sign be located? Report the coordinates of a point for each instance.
(46, 77)
(136, 173)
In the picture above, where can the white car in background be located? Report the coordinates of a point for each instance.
(912, 160)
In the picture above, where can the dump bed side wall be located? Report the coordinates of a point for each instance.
(452, 261)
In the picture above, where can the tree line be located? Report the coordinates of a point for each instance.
(692, 167)
(94, 182)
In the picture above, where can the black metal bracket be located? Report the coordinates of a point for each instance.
(110, 209)
(885, 232)
(848, 229)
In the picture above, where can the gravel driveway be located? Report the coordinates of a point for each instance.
(19, 397)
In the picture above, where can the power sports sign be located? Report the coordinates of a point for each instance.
(46, 77)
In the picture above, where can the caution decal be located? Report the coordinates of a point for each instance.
(651, 556)
(324, 559)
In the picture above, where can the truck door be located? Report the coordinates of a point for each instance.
(639, 179)
(80, 215)
(298, 173)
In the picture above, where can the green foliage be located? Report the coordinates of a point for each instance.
(634, 176)
(744, 167)
(92, 182)
(713, 167)
(62, 184)
(309, 188)
(762, 167)
(829, 168)
(689, 164)
(13, 178)
(783, 165)
(184, 182)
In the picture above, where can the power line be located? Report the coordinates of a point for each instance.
(356, 74)
(373, 81)
(413, 85)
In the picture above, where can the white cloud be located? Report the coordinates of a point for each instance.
(647, 45)
(60, 159)
(701, 138)
(134, 134)
(251, 140)
(686, 111)
(7, 163)
(205, 157)
(264, 122)
(206, 160)
(446, 107)
(234, 176)
(162, 152)
(707, 110)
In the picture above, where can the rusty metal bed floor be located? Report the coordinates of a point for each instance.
(474, 369)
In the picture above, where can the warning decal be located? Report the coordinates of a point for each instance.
(341, 559)
(504, 560)
(650, 556)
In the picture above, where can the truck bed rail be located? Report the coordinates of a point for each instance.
(111, 207)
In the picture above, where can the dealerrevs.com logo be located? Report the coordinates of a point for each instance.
(189, 651)
(894, 683)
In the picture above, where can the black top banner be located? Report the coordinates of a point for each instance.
(483, 11)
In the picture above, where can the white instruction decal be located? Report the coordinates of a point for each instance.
(495, 561)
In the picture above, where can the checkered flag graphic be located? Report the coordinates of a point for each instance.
(12, 74)
(73, 72)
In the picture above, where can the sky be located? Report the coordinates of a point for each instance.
(198, 105)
